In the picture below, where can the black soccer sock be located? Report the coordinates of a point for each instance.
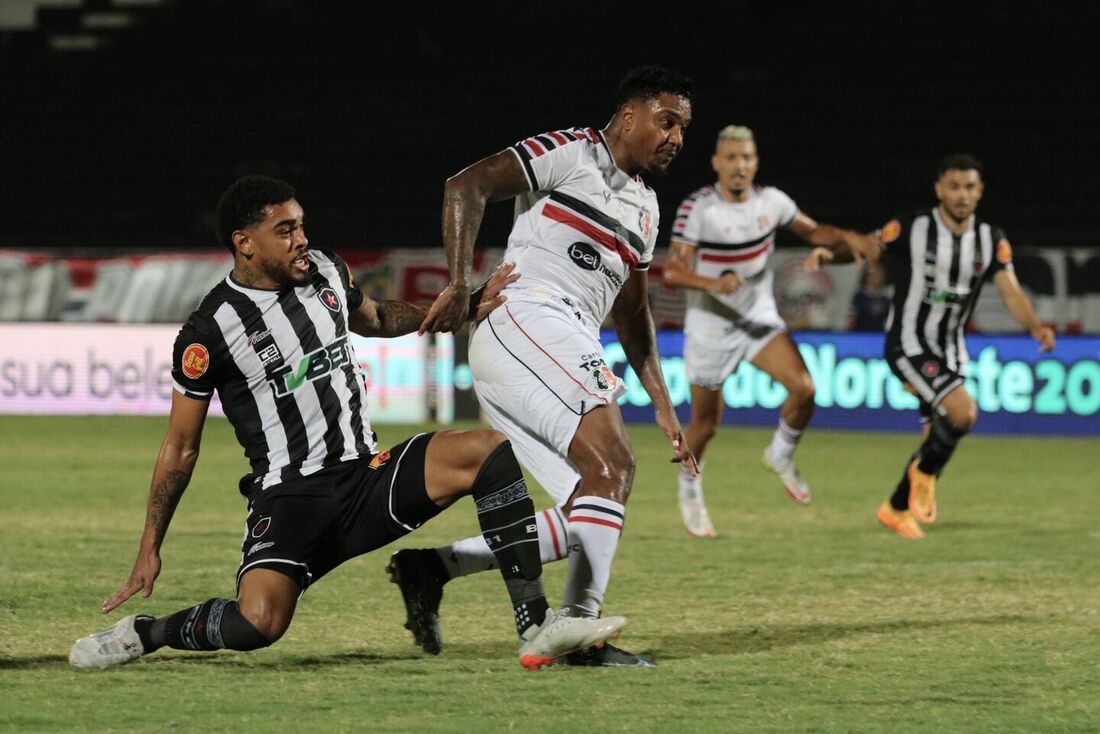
(940, 445)
(899, 500)
(507, 518)
(212, 625)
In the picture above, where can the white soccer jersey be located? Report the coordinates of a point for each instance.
(738, 237)
(582, 229)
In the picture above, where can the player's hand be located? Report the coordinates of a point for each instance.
(682, 455)
(728, 283)
(864, 246)
(449, 311)
(1045, 336)
(146, 570)
(817, 257)
(491, 296)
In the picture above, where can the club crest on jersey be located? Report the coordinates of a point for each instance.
(645, 223)
(329, 298)
(261, 526)
(764, 222)
(379, 460)
(313, 366)
(1004, 252)
(930, 368)
(195, 361)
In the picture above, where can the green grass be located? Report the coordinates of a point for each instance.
(794, 620)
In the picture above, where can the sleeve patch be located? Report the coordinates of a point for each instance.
(1004, 252)
(890, 231)
(195, 361)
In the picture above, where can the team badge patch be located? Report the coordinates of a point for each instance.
(261, 527)
(329, 298)
(930, 368)
(1004, 252)
(645, 223)
(195, 361)
(890, 231)
(379, 460)
(604, 377)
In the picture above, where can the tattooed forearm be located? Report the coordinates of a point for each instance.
(163, 497)
(398, 317)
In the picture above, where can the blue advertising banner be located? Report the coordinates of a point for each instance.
(1018, 389)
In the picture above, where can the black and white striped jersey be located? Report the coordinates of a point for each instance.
(284, 369)
(937, 276)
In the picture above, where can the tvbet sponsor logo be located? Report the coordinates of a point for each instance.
(313, 366)
(1048, 387)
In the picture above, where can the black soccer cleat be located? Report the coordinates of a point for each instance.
(422, 591)
(607, 656)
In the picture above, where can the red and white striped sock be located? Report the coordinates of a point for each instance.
(595, 524)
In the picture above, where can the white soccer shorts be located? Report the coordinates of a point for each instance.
(536, 373)
(709, 361)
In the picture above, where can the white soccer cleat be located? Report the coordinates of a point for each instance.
(792, 479)
(559, 635)
(696, 518)
(115, 645)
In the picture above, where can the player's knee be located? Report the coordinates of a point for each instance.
(802, 389)
(707, 428)
(269, 622)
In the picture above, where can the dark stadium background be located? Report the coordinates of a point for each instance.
(368, 107)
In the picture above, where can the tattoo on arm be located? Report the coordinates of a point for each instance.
(163, 498)
(396, 318)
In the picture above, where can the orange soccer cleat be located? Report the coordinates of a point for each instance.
(922, 494)
(901, 522)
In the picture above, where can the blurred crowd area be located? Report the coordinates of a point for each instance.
(165, 287)
(125, 119)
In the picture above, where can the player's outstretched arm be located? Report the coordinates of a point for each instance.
(172, 472)
(634, 324)
(465, 196)
(679, 272)
(1019, 305)
(396, 318)
(845, 244)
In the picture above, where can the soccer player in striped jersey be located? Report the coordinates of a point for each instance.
(272, 340)
(583, 237)
(722, 239)
(938, 259)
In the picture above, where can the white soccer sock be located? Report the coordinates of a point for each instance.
(472, 555)
(595, 524)
(784, 442)
(691, 488)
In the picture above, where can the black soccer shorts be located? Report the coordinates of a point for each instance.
(306, 527)
(928, 377)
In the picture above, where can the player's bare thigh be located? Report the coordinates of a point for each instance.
(453, 460)
(781, 360)
(959, 408)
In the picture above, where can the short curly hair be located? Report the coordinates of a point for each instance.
(651, 80)
(245, 202)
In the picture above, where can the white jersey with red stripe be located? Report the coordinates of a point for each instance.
(738, 237)
(583, 227)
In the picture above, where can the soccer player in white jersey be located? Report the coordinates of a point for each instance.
(722, 238)
(583, 237)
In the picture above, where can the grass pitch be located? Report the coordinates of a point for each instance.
(793, 620)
